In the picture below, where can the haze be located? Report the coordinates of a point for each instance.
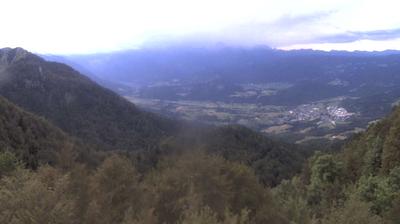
(82, 27)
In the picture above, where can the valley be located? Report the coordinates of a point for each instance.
(298, 96)
(297, 121)
(329, 119)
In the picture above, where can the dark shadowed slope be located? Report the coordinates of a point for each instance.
(75, 103)
(272, 161)
(31, 138)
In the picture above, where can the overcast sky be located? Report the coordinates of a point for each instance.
(89, 26)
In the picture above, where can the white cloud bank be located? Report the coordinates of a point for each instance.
(87, 26)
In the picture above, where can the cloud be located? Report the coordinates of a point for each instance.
(289, 21)
(284, 30)
(314, 28)
(355, 36)
(364, 45)
(375, 40)
(89, 26)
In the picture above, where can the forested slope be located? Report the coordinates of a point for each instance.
(360, 184)
(31, 138)
(76, 104)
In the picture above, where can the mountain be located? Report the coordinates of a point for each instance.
(76, 104)
(234, 64)
(302, 95)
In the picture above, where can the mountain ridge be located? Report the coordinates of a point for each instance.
(56, 92)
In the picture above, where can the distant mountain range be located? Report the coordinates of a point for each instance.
(151, 65)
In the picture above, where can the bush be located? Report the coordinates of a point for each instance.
(8, 162)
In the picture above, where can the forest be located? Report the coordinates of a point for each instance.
(359, 184)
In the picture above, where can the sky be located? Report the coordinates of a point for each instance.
(92, 26)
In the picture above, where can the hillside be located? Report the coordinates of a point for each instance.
(272, 161)
(76, 104)
(32, 139)
(376, 151)
(359, 184)
(63, 189)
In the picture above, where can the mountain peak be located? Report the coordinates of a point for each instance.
(10, 55)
